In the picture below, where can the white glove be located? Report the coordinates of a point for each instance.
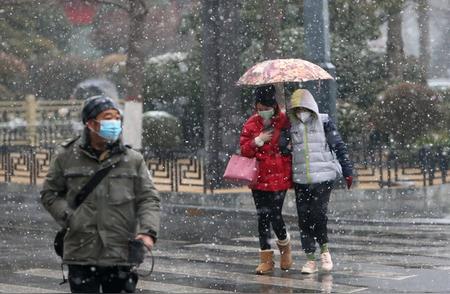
(259, 142)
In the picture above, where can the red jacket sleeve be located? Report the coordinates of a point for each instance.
(247, 141)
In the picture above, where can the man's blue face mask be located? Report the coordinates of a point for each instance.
(110, 129)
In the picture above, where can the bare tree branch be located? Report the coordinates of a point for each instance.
(19, 2)
(112, 3)
(144, 6)
(124, 6)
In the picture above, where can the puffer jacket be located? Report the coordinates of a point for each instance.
(319, 154)
(125, 203)
(275, 168)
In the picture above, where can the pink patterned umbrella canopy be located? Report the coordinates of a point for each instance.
(283, 70)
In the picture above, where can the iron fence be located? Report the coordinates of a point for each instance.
(44, 134)
(175, 171)
(185, 171)
(390, 167)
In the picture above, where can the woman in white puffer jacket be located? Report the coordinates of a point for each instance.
(315, 168)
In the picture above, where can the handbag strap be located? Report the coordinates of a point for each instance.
(91, 184)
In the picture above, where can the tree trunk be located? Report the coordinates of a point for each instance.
(229, 96)
(136, 55)
(271, 22)
(135, 76)
(211, 81)
(424, 39)
(223, 116)
(395, 54)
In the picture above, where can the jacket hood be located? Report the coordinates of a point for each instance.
(303, 98)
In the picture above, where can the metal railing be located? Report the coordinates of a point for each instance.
(38, 122)
(390, 167)
(174, 171)
(182, 171)
(30, 129)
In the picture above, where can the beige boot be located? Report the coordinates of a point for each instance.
(266, 266)
(285, 251)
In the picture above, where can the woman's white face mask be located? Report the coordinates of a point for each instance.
(304, 116)
(266, 114)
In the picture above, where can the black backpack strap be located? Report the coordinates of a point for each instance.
(91, 184)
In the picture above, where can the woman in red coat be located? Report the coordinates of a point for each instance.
(261, 137)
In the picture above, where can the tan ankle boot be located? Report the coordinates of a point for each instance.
(285, 251)
(266, 266)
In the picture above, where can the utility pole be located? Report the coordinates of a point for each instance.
(317, 50)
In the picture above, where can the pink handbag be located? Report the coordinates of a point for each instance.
(241, 169)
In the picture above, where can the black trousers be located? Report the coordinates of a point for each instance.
(312, 206)
(111, 279)
(269, 206)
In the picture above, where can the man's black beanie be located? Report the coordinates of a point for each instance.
(265, 95)
(94, 105)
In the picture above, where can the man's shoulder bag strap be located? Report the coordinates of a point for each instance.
(81, 196)
(91, 184)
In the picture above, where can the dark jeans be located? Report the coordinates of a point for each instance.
(312, 206)
(269, 206)
(114, 279)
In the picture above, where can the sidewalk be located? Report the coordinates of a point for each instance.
(425, 204)
(208, 244)
(362, 205)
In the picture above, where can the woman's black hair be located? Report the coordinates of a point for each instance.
(265, 95)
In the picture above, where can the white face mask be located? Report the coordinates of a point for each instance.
(304, 116)
(266, 114)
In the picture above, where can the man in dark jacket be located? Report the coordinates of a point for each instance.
(123, 206)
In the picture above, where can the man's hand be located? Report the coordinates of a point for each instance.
(349, 181)
(148, 241)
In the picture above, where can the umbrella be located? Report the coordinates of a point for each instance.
(283, 70)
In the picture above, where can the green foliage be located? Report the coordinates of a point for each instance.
(354, 22)
(252, 17)
(6, 94)
(110, 29)
(406, 112)
(439, 138)
(290, 35)
(13, 74)
(32, 31)
(172, 75)
(360, 72)
(353, 123)
(391, 6)
(55, 79)
(113, 68)
(173, 84)
(161, 132)
(29, 34)
(412, 70)
(445, 109)
(291, 46)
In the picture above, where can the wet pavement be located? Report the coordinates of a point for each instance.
(205, 249)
